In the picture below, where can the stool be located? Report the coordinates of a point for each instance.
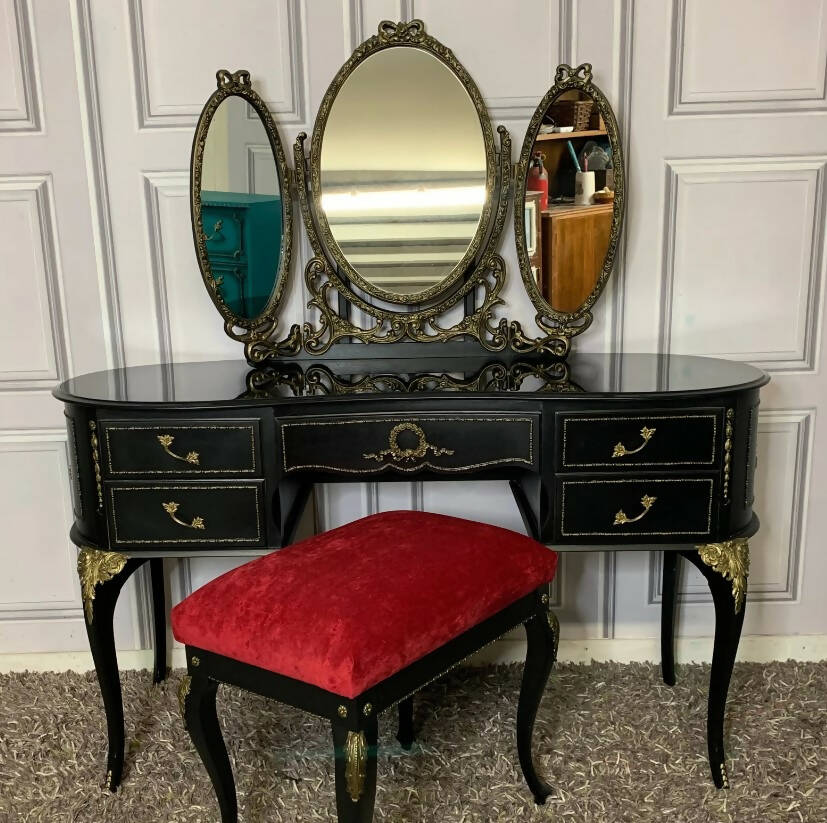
(354, 621)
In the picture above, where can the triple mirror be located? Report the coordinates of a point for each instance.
(404, 195)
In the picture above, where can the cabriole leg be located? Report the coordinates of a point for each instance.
(725, 567)
(542, 633)
(667, 616)
(102, 575)
(355, 752)
(197, 698)
(159, 618)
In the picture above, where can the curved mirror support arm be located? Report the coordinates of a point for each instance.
(568, 209)
(482, 285)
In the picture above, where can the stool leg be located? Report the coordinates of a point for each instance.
(541, 634)
(355, 752)
(405, 735)
(197, 696)
(159, 618)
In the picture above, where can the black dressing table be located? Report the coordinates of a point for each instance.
(602, 452)
(406, 365)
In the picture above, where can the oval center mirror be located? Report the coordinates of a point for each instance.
(403, 175)
(241, 209)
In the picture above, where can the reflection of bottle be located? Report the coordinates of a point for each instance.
(537, 178)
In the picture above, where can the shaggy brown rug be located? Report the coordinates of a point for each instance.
(616, 743)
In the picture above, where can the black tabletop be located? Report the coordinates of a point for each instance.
(226, 382)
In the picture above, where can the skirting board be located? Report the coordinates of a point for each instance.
(754, 648)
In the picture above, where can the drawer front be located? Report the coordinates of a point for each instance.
(204, 514)
(614, 442)
(626, 508)
(182, 447)
(224, 229)
(368, 445)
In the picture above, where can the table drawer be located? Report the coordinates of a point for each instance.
(176, 513)
(617, 441)
(180, 447)
(624, 508)
(367, 445)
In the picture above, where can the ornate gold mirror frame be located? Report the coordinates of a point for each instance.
(559, 327)
(475, 284)
(255, 333)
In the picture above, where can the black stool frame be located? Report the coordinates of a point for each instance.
(354, 720)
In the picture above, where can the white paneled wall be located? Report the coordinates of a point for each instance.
(723, 109)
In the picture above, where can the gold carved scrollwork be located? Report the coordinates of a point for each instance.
(183, 692)
(95, 448)
(396, 452)
(356, 760)
(731, 560)
(554, 625)
(96, 567)
(728, 432)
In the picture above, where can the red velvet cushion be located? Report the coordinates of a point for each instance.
(346, 609)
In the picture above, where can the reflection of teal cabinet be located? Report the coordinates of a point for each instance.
(244, 246)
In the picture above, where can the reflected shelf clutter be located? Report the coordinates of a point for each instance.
(404, 195)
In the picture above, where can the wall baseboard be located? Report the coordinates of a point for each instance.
(755, 648)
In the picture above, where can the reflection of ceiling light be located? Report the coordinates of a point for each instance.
(404, 199)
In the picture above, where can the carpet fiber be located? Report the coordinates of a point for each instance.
(615, 742)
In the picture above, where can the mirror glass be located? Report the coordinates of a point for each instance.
(403, 172)
(241, 208)
(569, 200)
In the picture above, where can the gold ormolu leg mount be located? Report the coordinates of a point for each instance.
(356, 760)
(725, 566)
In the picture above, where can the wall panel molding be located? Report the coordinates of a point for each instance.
(50, 441)
(36, 193)
(25, 115)
(739, 170)
(798, 426)
(92, 131)
(156, 186)
(290, 110)
(773, 100)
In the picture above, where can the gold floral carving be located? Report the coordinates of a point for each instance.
(396, 452)
(96, 567)
(731, 560)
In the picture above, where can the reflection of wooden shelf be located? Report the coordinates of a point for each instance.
(570, 135)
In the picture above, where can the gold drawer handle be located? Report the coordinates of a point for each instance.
(646, 501)
(172, 508)
(166, 441)
(216, 230)
(621, 450)
(396, 453)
